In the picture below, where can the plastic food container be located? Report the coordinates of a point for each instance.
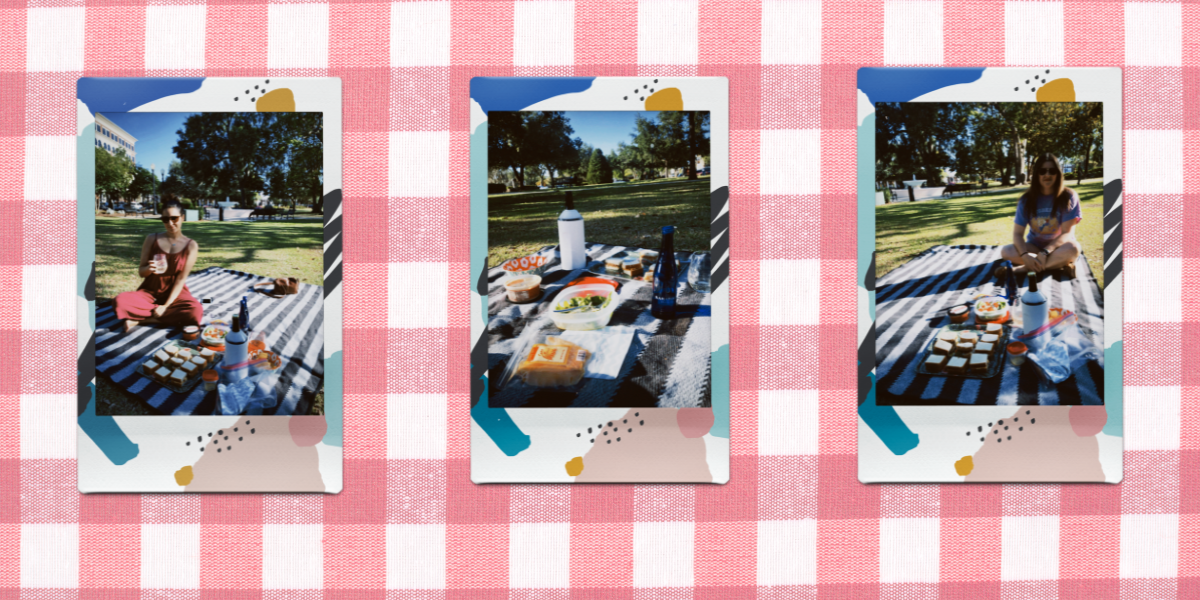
(210, 378)
(990, 308)
(524, 288)
(584, 321)
(1016, 353)
(191, 332)
(526, 265)
(959, 314)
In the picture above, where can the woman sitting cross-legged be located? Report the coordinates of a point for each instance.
(1050, 211)
(163, 298)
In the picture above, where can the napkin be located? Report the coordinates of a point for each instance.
(608, 347)
(250, 394)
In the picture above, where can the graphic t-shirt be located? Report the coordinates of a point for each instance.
(1047, 225)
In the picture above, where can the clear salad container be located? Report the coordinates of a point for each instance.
(584, 307)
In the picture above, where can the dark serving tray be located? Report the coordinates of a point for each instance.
(993, 369)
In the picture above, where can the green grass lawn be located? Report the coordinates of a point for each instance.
(906, 229)
(268, 248)
(520, 224)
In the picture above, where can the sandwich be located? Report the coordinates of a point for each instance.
(149, 367)
(190, 368)
(177, 377)
(957, 365)
(614, 264)
(162, 374)
(985, 348)
(185, 354)
(995, 328)
(990, 338)
(949, 336)
(161, 357)
(963, 348)
(979, 363)
(936, 362)
(943, 347)
(199, 361)
(969, 337)
(174, 362)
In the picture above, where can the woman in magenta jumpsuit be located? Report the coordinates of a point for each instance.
(163, 298)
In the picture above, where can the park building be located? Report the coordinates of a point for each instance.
(111, 137)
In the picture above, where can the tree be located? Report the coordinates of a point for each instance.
(599, 171)
(538, 140)
(142, 183)
(114, 172)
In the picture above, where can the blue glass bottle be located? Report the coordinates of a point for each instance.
(1010, 284)
(666, 278)
(245, 314)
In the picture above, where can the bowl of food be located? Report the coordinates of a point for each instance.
(214, 335)
(990, 308)
(584, 307)
(191, 332)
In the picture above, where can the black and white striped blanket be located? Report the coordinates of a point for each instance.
(295, 329)
(910, 308)
(667, 364)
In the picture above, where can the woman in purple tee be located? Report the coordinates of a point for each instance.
(1050, 211)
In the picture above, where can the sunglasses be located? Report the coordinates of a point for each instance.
(175, 219)
(1047, 171)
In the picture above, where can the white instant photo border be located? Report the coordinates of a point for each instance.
(159, 453)
(540, 444)
(926, 443)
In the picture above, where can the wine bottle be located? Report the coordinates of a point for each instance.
(236, 351)
(666, 278)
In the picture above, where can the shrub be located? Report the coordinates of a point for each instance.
(497, 188)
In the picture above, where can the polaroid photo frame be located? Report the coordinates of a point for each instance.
(667, 433)
(931, 241)
(284, 432)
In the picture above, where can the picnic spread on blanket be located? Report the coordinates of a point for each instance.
(949, 330)
(190, 371)
(589, 337)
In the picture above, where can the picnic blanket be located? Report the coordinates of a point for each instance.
(667, 364)
(295, 329)
(910, 308)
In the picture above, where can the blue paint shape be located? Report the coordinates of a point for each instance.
(887, 424)
(1114, 403)
(720, 392)
(904, 84)
(333, 399)
(516, 93)
(123, 94)
(106, 434)
(500, 427)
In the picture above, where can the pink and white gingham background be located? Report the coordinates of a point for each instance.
(793, 522)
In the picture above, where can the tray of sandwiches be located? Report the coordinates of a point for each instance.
(177, 365)
(975, 351)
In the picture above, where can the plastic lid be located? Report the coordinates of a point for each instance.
(668, 229)
(210, 375)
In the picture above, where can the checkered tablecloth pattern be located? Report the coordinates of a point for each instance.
(793, 522)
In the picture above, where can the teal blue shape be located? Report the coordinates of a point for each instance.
(887, 424)
(866, 198)
(720, 392)
(499, 426)
(1114, 402)
(333, 399)
(106, 433)
(479, 200)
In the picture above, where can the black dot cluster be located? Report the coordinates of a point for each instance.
(217, 442)
(642, 92)
(1001, 437)
(1037, 77)
(603, 430)
(257, 91)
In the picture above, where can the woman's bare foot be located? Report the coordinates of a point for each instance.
(130, 324)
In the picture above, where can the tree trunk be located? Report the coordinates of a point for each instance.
(1087, 155)
(693, 132)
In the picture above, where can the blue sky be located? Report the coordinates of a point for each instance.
(155, 133)
(605, 129)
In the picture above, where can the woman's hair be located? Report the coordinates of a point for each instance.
(172, 203)
(1061, 193)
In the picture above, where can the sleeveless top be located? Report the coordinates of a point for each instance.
(159, 285)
